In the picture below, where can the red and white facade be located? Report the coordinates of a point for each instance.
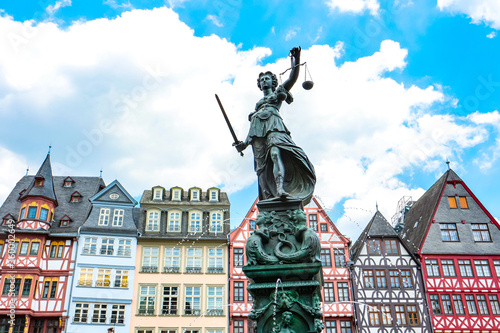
(337, 307)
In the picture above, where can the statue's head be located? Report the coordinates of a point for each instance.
(272, 76)
(298, 217)
(287, 318)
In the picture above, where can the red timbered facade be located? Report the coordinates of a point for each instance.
(38, 252)
(458, 243)
(337, 306)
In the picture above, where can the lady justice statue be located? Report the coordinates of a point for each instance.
(282, 168)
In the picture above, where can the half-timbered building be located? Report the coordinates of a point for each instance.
(40, 220)
(102, 290)
(337, 306)
(458, 243)
(387, 282)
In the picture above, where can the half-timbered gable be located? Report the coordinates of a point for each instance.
(102, 289)
(40, 248)
(338, 310)
(387, 282)
(458, 243)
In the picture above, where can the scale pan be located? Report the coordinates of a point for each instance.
(307, 85)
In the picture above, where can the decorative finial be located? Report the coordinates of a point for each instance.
(376, 205)
(50, 148)
(100, 173)
(448, 163)
(27, 170)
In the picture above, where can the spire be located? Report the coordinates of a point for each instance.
(448, 163)
(43, 183)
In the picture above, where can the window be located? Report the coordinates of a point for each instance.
(153, 220)
(394, 279)
(249, 297)
(463, 203)
(176, 195)
(53, 289)
(214, 195)
(172, 260)
(215, 296)
(368, 278)
(26, 287)
(147, 300)
(35, 246)
(447, 307)
(449, 232)
(471, 304)
(406, 278)
(6, 286)
(326, 258)
(238, 327)
(374, 246)
(89, 246)
(495, 305)
(385, 313)
(458, 305)
(68, 182)
(482, 305)
(216, 222)
(174, 221)
(374, 315)
(323, 227)
(238, 257)
(482, 268)
(104, 216)
(432, 267)
(252, 224)
(117, 314)
(436, 306)
(381, 279)
(81, 313)
(103, 278)
(193, 260)
(170, 300)
(313, 222)
(195, 222)
(75, 197)
(157, 194)
(329, 292)
(343, 291)
(400, 314)
(330, 326)
(339, 255)
(107, 246)
(46, 287)
(195, 195)
(86, 276)
(44, 213)
(23, 250)
(453, 202)
(60, 250)
(465, 268)
(124, 248)
(215, 260)
(481, 232)
(99, 315)
(145, 330)
(345, 326)
(150, 260)
(121, 278)
(21, 215)
(192, 301)
(496, 264)
(118, 217)
(32, 212)
(448, 266)
(391, 247)
(239, 291)
(412, 314)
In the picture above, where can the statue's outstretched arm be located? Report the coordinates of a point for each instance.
(295, 68)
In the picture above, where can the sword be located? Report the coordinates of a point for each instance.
(236, 141)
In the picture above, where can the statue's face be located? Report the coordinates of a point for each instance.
(266, 81)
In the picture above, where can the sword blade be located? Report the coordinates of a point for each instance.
(228, 122)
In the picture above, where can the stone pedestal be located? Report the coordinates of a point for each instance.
(284, 270)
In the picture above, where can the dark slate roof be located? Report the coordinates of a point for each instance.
(377, 227)
(77, 211)
(47, 190)
(422, 212)
(147, 198)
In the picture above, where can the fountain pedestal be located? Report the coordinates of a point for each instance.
(284, 270)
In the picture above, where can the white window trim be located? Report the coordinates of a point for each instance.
(148, 228)
(118, 215)
(173, 211)
(104, 216)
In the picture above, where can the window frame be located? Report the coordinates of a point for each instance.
(480, 234)
(103, 219)
(450, 231)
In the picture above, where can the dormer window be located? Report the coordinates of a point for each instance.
(195, 195)
(213, 195)
(68, 182)
(39, 181)
(6, 220)
(32, 212)
(65, 221)
(157, 193)
(44, 213)
(21, 215)
(176, 194)
(75, 197)
(21, 193)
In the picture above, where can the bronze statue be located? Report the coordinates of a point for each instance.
(282, 168)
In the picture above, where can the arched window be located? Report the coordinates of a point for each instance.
(153, 220)
(195, 221)
(216, 221)
(174, 221)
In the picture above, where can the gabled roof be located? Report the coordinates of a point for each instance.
(47, 189)
(423, 211)
(124, 198)
(377, 227)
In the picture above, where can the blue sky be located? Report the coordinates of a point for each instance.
(127, 86)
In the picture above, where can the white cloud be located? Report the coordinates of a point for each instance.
(122, 95)
(215, 20)
(354, 6)
(491, 35)
(52, 9)
(12, 168)
(486, 11)
(115, 5)
(292, 33)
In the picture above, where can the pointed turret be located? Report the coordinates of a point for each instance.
(43, 184)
